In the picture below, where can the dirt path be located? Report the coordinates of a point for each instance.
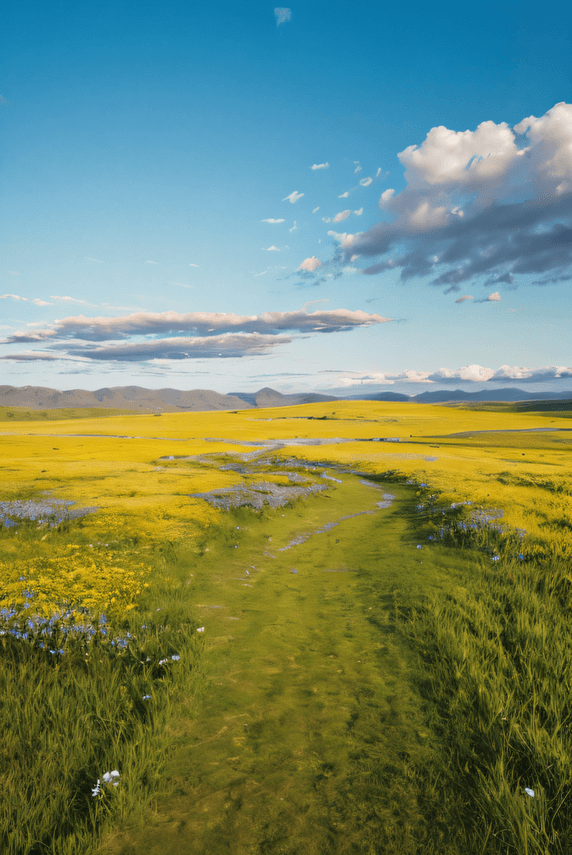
(304, 739)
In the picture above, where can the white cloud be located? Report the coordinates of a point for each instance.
(378, 173)
(193, 265)
(70, 300)
(343, 215)
(326, 219)
(282, 15)
(150, 262)
(144, 335)
(271, 220)
(320, 166)
(294, 227)
(39, 302)
(98, 329)
(344, 239)
(344, 195)
(357, 165)
(462, 299)
(310, 264)
(475, 373)
(380, 378)
(97, 260)
(271, 249)
(386, 197)
(293, 197)
(493, 202)
(316, 209)
(359, 212)
(12, 297)
(365, 182)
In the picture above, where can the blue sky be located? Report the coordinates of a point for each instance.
(336, 197)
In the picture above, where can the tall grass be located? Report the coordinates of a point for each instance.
(496, 655)
(82, 697)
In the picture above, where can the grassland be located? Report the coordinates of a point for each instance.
(347, 678)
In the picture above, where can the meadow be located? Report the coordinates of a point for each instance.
(333, 628)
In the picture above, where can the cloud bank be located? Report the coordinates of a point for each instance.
(133, 338)
(494, 203)
(467, 374)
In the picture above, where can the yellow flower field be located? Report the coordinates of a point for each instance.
(141, 471)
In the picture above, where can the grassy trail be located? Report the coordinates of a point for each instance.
(310, 735)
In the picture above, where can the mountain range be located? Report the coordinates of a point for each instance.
(139, 399)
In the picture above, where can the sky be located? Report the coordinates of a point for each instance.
(345, 198)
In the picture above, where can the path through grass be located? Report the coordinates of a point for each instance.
(311, 736)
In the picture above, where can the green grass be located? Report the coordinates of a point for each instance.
(383, 698)
(496, 655)
(311, 736)
(68, 717)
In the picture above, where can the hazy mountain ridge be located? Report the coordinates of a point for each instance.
(139, 399)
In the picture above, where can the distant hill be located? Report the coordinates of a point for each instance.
(138, 399)
(148, 400)
(445, 396)
(270, 398)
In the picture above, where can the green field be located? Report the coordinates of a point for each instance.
(371, 639)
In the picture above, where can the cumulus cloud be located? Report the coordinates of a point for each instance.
(310, 264)
(455, 376)
(271, 249)
(293, 197)
(320, 166)
(386, 198)
(477, 373)
(271, 220)
(359, 212)
(343, 215)
(381, 378)
(346, 241)
(365, 182)
(495, 202)
(344, 195)
(282, 15)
